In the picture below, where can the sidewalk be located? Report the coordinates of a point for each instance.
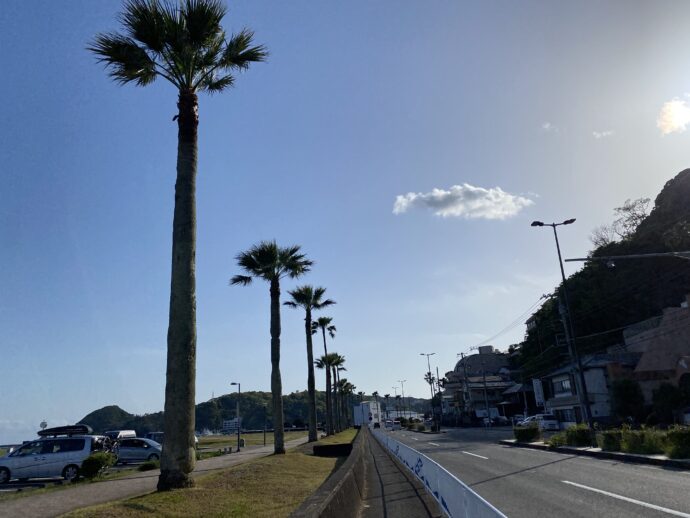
(390, 492)
(59, 502)
(655, 460)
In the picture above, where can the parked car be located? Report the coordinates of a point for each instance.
(392, 425)
(116, 435)
(59, 453)
(160, 436)
(543, 421)
(138, 449)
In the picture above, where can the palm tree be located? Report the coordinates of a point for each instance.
(310, 299)
(269, 262)
(386, 396)
(325, 362)
(324, 323)
(336, 366)
(186, 45)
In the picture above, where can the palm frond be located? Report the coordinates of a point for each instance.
(213, 85)
(145, 22)
(239, 53)
(202, 20)
(291, 304)
(241, 279)
(127, 62)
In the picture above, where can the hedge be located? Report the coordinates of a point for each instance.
(527, 433)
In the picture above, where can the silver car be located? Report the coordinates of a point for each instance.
(138, 449)
(49, 457)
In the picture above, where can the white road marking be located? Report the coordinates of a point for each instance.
(434, 444)
(480, 456)
(414, 439)
(631, 500)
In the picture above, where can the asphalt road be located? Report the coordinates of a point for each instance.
(531, 483)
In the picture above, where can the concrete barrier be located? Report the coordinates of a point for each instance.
(456, 499)
(342, 494)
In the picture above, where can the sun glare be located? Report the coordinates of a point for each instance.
(674, 117)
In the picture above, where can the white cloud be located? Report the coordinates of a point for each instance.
(548, 127)
(602, 134)
(464, 201)
(673, 117)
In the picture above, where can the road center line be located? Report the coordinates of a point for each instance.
(414, 439)
(631, 500)
(480, 456)
(434, 444)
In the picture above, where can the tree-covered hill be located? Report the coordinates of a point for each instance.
(210, 414)
(605, 297)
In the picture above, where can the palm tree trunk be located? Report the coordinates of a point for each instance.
(276, 382)
(339, 397)
(335, 400)
(179, 456)
(329, 420)
(311, 388)
(329, 410)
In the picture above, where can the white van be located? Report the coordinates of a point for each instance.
(59, 456)
(116, 435)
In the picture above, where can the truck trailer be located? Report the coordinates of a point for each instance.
(367, 413)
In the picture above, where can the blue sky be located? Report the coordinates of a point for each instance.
(568, 109)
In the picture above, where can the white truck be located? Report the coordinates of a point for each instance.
(368, 413)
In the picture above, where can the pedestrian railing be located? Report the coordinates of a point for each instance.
(455, 498)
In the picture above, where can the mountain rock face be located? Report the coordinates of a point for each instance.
(605, 297)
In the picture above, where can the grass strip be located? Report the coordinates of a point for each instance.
(272, 486)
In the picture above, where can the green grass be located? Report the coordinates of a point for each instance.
(250, 439)
(272, 486)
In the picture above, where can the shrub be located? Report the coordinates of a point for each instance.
(527, 433)
(149, 465)
(678, 442)
(646, 440)
(578, 435)
(557, 440)
(421, 427)
(96, 464)
(609, 440)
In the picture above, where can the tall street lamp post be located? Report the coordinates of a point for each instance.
(431, 382)
(397, 409)
(402, 389)
(239, 394)
(568, 326)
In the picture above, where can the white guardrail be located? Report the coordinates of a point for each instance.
(455, 498)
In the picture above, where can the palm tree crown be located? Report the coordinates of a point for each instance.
(323, 323)
(308, 298)
(183, 43)
(270, 262)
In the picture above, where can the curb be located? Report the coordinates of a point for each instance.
(631, 458)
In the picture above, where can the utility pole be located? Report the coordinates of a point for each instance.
(566, 315)
(486, 396)
(402, 389)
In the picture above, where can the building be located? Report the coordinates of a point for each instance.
(664, 345)
(230, 425)
(560, 392)
(476, 380)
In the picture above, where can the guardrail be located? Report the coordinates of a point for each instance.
(454, 496)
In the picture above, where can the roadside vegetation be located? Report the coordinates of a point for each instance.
(247, 490)
(673, 442)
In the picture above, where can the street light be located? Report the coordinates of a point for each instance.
(431, 383)
(402, 388)
(239, 393)
(568, 325)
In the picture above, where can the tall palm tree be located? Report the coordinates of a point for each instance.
(386, 396)
(341, 415)
(325, 362)
(310, 299)
(337, 365)
(269, 262)
(185, 44)
(325, 324)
